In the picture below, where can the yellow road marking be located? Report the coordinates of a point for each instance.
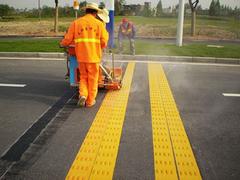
(173, 156)
(164, 164)
(97, 156)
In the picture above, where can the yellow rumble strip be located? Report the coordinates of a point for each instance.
(173, 156)
(97, 156)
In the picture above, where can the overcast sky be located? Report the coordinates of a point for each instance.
(166, 3)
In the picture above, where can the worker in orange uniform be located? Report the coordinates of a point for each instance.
(90, 37)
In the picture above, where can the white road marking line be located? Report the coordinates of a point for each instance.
(12, 85)
(231, 95)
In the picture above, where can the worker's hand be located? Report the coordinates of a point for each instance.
(62, 46)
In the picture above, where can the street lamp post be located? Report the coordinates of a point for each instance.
(180, 23)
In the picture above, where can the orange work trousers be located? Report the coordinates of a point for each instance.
(89, 73)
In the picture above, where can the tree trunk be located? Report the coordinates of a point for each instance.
(56, 19)
(76, 14)
(193, 28)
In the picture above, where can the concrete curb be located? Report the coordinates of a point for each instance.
(130, 57)
(32, 54)
(179, 59)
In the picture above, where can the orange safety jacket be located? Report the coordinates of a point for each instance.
(90, 37)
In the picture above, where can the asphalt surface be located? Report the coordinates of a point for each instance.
(210, 119)
(20, 107)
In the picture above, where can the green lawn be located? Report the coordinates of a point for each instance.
(23, 45)
(220, 27)
(143, 47)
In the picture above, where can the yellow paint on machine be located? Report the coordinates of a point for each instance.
(173, 156)
(97, 156)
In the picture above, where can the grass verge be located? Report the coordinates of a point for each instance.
(33, 45)
(143, 47)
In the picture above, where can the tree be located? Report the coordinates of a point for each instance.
(119, 6)
(215, 8)
(102, 5)
(122, 2)
(236, 13)
(47, 11)
(4, 10)
(147, 10)
(218, 8)
(159, 9)
(193, 5)
(212, 8)
(82, 4)
(56, 17)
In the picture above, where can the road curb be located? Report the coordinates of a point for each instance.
(129, 57)
(32, 54)
(179, 59)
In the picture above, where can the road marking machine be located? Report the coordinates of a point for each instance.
(110, 76)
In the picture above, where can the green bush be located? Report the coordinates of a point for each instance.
(10, 18)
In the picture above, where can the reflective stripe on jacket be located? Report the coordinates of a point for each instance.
(87, 40)
(90, 36)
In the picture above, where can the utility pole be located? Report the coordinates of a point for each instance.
(110, 26)
(180, 23)
(39, 10)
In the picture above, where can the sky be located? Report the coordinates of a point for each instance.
(166, 3)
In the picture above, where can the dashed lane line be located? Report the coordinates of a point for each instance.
(231, 95)
(12, 85)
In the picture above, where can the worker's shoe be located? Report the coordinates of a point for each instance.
(67, 76)
(82, 101)
(91, 105)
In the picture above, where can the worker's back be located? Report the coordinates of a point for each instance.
(90, 37)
